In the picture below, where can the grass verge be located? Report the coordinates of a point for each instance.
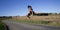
(50, 23)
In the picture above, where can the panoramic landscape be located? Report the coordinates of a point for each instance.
(29, 14)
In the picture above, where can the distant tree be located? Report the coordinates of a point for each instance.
(50, 13)
(59, 13)
(55, 13)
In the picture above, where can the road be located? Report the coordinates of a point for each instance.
(22, 26)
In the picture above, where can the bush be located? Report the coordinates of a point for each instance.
(2, 26)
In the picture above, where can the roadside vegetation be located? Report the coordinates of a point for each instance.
(2, 26)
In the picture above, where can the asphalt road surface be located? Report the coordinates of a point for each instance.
(22, 26)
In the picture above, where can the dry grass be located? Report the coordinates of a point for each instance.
(53, 20)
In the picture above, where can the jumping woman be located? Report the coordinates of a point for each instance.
(31, 12)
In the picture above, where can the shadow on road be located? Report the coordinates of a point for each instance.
(6, 27)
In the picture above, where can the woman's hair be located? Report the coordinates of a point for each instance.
(30, 7)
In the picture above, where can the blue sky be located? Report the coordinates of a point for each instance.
(19, 7)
